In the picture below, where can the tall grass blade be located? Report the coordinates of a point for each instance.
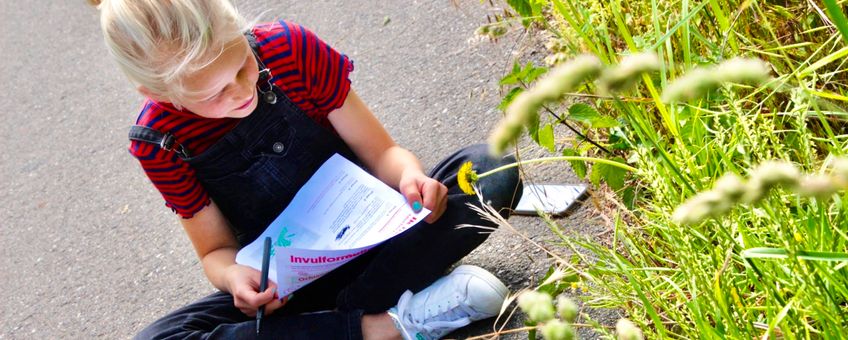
(780, 253)
(838, 17)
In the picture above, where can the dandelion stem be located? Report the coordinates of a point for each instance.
(559, 158)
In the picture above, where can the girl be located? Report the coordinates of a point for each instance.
(236, 119)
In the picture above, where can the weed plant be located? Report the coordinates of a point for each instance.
(776, 268)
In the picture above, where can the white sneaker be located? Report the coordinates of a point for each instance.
(467, 294)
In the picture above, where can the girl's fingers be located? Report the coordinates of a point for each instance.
(247, 296)
(243, 306)
(258, 299)
(412, 194)
(249, 312)
(431, 194)
(435, 199)
(248, 300)
(274, 305)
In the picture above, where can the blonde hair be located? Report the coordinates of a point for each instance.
(157, 42)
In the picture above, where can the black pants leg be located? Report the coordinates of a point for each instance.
(371, 283)
(215, 317)
(418, 257)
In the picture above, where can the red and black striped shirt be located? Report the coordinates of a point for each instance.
(310, 72)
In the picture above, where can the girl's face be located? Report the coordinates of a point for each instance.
(226, 88)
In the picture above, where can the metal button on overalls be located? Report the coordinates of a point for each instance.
(278, 147)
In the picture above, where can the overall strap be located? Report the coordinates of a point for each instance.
(265, 86)
(166, 141)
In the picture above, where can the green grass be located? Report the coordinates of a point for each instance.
(776, 268)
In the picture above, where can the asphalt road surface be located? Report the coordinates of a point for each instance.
(87, 247)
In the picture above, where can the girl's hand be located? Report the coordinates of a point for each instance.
(422, 190)
(243, 284)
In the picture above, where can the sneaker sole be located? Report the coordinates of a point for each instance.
(487, 277)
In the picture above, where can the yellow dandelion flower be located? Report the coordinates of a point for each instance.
(798, 237)
(466, 177)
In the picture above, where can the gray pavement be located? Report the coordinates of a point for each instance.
(87, 247)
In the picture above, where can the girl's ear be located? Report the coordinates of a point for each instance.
(149, 94)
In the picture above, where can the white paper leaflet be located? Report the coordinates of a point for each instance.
(339, 214)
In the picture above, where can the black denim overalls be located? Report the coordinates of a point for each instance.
(253, 172)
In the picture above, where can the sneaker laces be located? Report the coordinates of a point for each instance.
(454, 316)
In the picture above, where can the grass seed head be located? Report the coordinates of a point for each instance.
(525, 107)
(731, 186)
(482, 30)
(700, 207)
(747, 71)
(503, 135)
(839, 169)
(716, 202)
(690, 212)
(819, 186)
(772, 173)
(539, 307)
(567, 308)
(492, 31)
(522, 109)
(556, 58)
(754, 192)
(694, 84)
(567, 76)
(627, 330)
(557, 330)
(700, 81)
(628, 72)
(556, 45)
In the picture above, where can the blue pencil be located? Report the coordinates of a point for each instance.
(263, 284)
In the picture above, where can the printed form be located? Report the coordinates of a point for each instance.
(339, 214)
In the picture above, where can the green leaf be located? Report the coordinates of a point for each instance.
(507, 99)
(613, 176)
(579, 167)
(512, 77)
(629, 197)
(526, 74)
(534, 74)
(536, 6)
(529, 10)
(618, 140)
(521, 6)
(531, 72)
(509, 79)
(546, 137)
(533, 128)
(526, 69)
(588, 115)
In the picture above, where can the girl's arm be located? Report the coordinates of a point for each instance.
(216, 246)
(391, 163)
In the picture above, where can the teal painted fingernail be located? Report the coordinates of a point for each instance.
(416, 206)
